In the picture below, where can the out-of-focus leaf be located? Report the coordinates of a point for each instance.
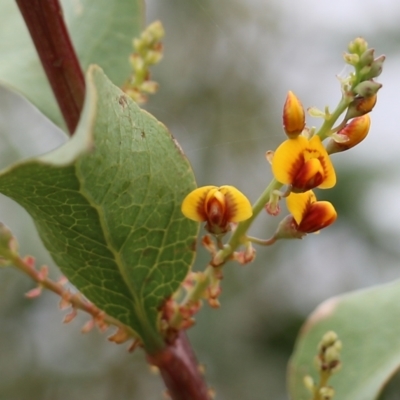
(107, 207)
(367, 323)
(101, 31)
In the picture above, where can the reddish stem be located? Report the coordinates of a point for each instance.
(181, 373)
(47, 28)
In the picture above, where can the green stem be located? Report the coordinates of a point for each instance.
(261, 242)
(326, 127)
(239, 236)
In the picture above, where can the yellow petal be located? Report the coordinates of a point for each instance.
(238, 205)
(299, 203)
(193, 206)
(288, 158)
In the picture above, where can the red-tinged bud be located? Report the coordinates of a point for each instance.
(29, 261)
(360, 106)
(293, 116)
(43, 273)
(367, 88)
(70, 316)
(36, 292)
(88, 326)
(355, 132)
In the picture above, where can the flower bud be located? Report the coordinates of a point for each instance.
(355, 132)
(367, 88)
(376, 68)
(367, 57)
(360, 106)
(156, 30)
(358, 46)
(352, 59)
(293, 116)
(328, 339)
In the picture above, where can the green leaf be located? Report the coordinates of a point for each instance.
(107, 207)
(101, 31)
(367, 323)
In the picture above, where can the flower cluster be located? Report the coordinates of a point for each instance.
(299, 165)
(302, 162)
(328, 363)
(148, 51)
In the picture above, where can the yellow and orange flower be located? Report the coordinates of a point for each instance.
(293, 116)
(304, 164)
(310, 215)
(352, 134)
(217, 206)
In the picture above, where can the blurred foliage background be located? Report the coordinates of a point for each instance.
(227, 68)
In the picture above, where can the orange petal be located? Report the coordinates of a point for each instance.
(316, 147)
(288, 159)
(356, 131)
(319, 215)
(238, 205)
(309, 176)
(299, 203)
(193, 206)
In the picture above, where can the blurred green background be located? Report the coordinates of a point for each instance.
(227, 68)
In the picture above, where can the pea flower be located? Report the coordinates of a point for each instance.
(304, 164)
(352, 134)
(310, 215)
(217, 206)
(293, 116)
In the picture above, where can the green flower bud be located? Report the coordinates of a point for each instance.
(328, 339)
(358, 46)
(376, 68)
(352, 59)
(367, 88)
(367, 57)
(332, 354)
(156, 31)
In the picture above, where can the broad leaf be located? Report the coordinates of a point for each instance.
(107, 207)
(101, 31)
(367, 323)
